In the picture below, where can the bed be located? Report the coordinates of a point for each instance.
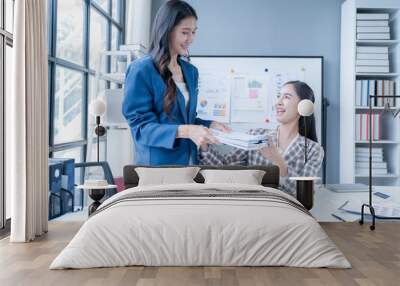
(197, 224)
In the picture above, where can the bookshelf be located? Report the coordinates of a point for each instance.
(353, 86)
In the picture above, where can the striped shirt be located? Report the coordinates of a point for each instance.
(293, 157)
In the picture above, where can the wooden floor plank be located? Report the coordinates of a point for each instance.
(375, 257)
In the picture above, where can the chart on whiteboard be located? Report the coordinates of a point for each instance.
(249, 98)
(242, 90)
(234, 97)
(214, 97)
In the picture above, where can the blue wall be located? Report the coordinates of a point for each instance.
(284, 27)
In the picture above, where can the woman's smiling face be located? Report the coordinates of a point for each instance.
(182, 36)
(286, 105)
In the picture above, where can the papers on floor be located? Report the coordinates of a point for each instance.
(384, 204)
(382, 208)
(345, 216)
(240, 140)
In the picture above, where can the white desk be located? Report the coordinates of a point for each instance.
(327, 202)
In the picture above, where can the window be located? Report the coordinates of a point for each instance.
(102, 150)
(94, 91)
(74, 153)
(104, 4)
(9, 70)
(115, 39)
(9, 15)
(116, 10)
(98, 39)
(79, 30)
(6, 44)
(96, 172)
(70, 30)
(68, 106)
(2, 137)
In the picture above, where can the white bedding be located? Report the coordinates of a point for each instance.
(200, 231)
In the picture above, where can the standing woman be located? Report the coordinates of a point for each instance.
(161, 93)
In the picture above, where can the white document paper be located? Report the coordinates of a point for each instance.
(240, 140)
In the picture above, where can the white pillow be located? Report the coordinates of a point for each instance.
(249, 177)
(166, 176)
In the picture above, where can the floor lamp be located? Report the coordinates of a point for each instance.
(96, 193)
(369, 205)
(97, 109)
(305, 185)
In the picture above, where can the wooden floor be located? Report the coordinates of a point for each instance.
(375, 257)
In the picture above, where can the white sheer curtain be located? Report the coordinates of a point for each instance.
(27, 123)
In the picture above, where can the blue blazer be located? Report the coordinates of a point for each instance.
(153, 132)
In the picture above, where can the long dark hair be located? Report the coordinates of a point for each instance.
(304, 91)
(168, 16)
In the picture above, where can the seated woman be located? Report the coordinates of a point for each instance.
(286, 150)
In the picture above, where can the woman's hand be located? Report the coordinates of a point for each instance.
(271, 153)
(199, 134)
(204, 148)
(220, 126)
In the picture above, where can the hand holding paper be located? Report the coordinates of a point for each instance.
(240, 140)
(199, 134)
(220, 126)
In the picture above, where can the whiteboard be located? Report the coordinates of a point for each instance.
(242, 90)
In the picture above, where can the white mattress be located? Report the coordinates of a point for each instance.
(200, 231)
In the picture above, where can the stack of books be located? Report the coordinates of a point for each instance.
(379, 166)
(240, 140)
(373, 26)
(365, 88)
(372, 59)
(362, 127)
